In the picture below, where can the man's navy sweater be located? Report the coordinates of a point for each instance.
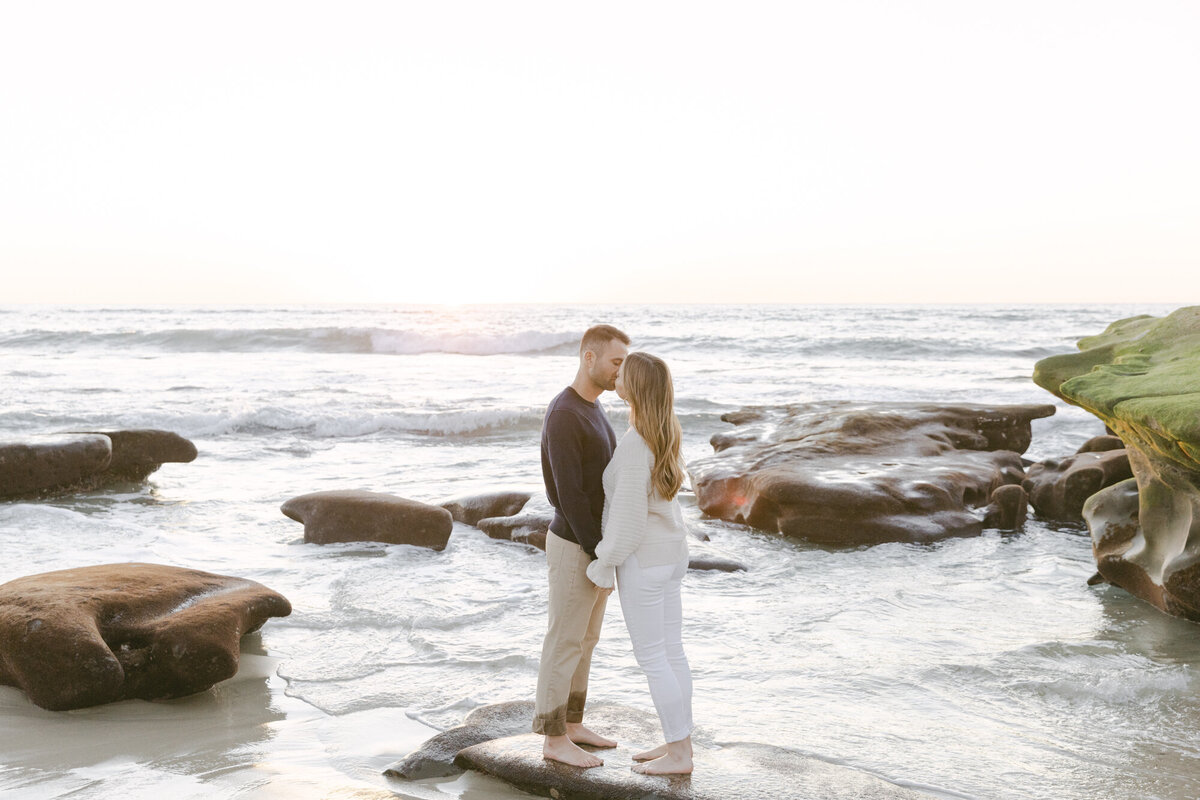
(577, 444)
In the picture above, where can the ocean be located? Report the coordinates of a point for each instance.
(980, 667)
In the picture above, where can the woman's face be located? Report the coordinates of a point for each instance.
(620, 387)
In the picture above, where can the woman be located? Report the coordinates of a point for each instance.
(644, 546)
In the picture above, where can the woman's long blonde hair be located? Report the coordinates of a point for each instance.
(651, 394)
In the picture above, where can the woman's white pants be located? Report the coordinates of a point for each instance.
(653, 613)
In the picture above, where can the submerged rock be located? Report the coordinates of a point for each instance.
(863, 473)
(711, 563)
(356, 516)
(745, 771)
(1058, 489)
(82, 637)
(1142, 378)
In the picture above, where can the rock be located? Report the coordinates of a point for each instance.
(137, 453)
(745, 771)
(1098, 444)
(81, 637)
(1008, 509)
(532, 524)
(1141, 377)
(1058, 489)
(471, 509)
(528, 527)
(86, 459)
(43, 463)
(707, 563)
(355, 516)
(854, 474)
(435, 758)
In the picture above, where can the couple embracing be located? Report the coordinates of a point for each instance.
(617, 522)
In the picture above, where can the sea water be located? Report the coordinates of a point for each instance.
(980, 667)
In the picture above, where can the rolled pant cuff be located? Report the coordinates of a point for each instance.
(552, 724)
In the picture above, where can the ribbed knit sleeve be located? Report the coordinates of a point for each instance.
(628, 513)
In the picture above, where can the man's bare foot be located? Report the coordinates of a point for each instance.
(669, 764)
(650, 755)
(561, 748)
(578, 734)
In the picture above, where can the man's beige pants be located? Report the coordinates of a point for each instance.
(576, 614)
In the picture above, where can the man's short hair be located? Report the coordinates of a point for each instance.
(596, 337)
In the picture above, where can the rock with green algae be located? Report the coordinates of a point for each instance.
(1142, 378)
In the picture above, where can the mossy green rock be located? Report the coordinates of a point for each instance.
(1142, 378)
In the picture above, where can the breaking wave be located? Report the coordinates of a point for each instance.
(315, 340)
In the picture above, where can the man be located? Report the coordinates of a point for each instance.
(577, 443)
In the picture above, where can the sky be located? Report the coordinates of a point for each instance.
(463, 152)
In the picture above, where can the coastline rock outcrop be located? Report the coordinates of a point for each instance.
(843, 473)
(84, 460)
(358, 516)
(1058, 489)
(1141, 376)
(91, 635)
(744, 770)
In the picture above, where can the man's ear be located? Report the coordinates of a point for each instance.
(588, 357)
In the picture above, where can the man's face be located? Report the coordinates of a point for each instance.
(607, 363)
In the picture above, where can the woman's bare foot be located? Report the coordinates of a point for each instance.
(676, 760)
(561, 748)
(667, 765)
(578, 734)
(650, 755)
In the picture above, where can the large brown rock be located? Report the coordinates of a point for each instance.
(86, 459)
(356, 516)
(741, 770)
(43, 463)
(1058, 489)
(863, 473)
(81, 637)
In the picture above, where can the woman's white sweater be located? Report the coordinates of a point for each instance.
(637, 520)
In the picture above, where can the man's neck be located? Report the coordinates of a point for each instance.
(585, 388)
